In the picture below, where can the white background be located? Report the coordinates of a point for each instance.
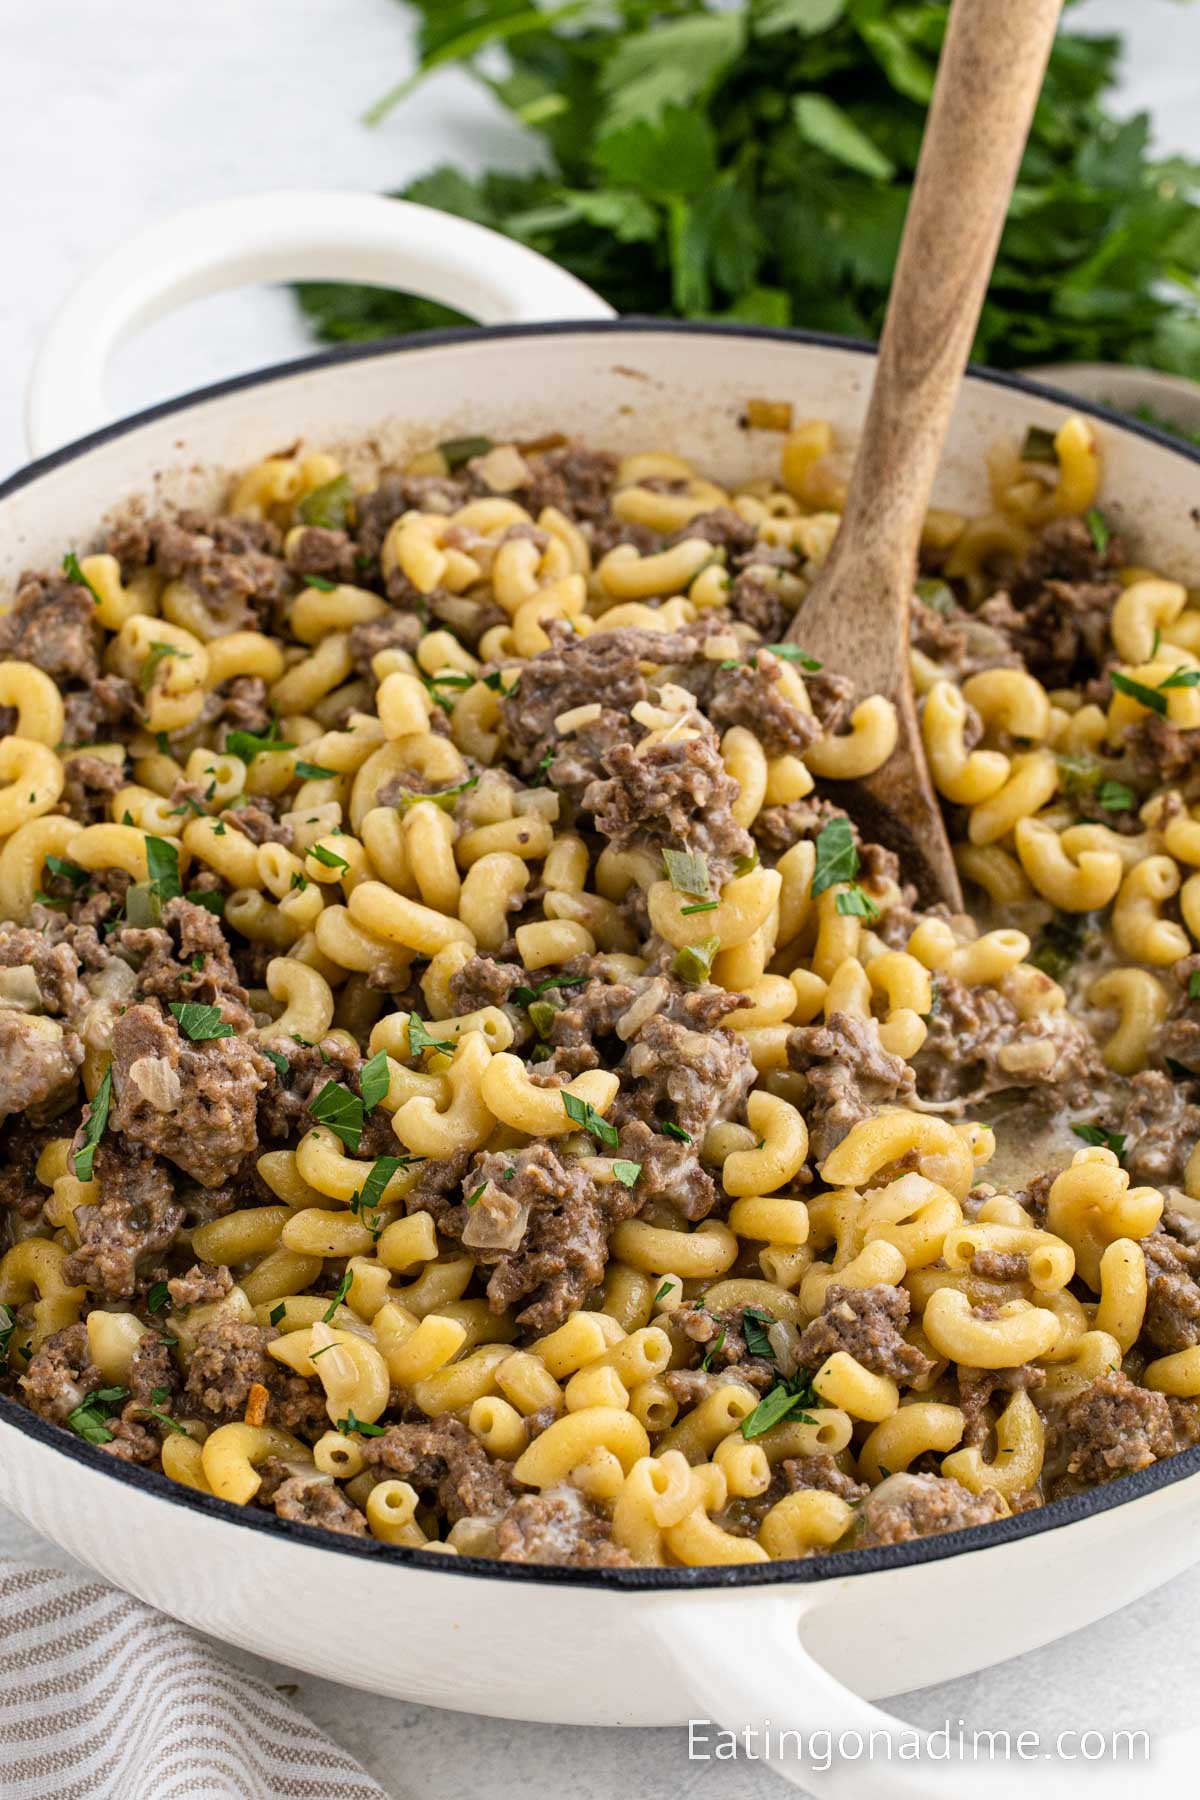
(114, 113)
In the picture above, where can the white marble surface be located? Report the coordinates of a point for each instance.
(117, 114)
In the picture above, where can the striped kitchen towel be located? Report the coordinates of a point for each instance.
(102, 1696)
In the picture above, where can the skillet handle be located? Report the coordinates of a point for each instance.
(741, 1657)
(286, 236)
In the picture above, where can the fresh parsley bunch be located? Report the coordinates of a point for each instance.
(753, 162)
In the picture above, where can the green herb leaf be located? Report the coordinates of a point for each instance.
(583, 1113)
(8, 1324)
(472, 1198)
(688, 874)
(626, 1172)
(445, 799)
(342, 1111)
(1180, 678)
(693, 963)
(824, 125)
(706, 1361)
(371, 1192)
(458, 451)
(157, 1297)
(329, 859)
(209, 898)
(350, 1424)
(755, 1325)
(786, 1400)
(375, 1080)
(73, 572)
(699, 906)
(339, 1294)
(837, 856)
(246, 745)
(419, 1039)
(330, 506)
(89, 1420)
(525, 996)
(1137, 690)
(282, 1065)
(93, 1131)
(1193, 987)
(150, 665)
(314, 772)
(542, 1014)
(162, 862)
(1103, 1140)
(66, 871)
(792, 653)
(278, 1313)
(200, 1023)
(1114, 796)
(936, 595)
(742, 865)
(669, 1129)
(1098, 528)
(319, 582)
(855, 903)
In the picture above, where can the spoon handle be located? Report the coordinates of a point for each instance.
(988, 80)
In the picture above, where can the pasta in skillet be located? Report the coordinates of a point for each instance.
(468, 1083)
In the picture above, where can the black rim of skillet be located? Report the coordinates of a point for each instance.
(1052, 1517)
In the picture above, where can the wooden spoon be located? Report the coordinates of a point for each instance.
(855, 617)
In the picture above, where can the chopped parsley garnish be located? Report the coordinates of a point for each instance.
(663, 1291)
(1114, 796)
(419, 1039)
(328, 506)
(668, 1129)
(350, 1423)
(541, 775)
(149, 667)
(8, 1324)
(1098, 528)
(855, 903)
(248, 744)
(375, 1080)
(792, 653)
(319, 582)
(458, 451)
(472, 1198)
(299, 882)
(164, 749)
(742, 865)
(495, 680)
(694, 962)
(1180, 678)
(367, 1199)
(626, 1172)
(1194, 985)
(687, 873)
(837, 857)
(200, 1023)
(157, 1298)
(314, 772)
(282, 1065)
(936, 595)
(329, 859)
(165, 1418)
(754, 1330)
(786, 1400)
(93, 1131)
(706, 1360)
(699, 906)
(339, 1294)
(89, 1420)
(583, 1113)
(342, 1111)
(1060, 945)
(162, 863)
(209, 898)
(541, 1016)
(1101, 1140)
(66, 871)
(525, 996)
(278, 1313)
(1137, 690)
(445, 798)
(73, 572)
